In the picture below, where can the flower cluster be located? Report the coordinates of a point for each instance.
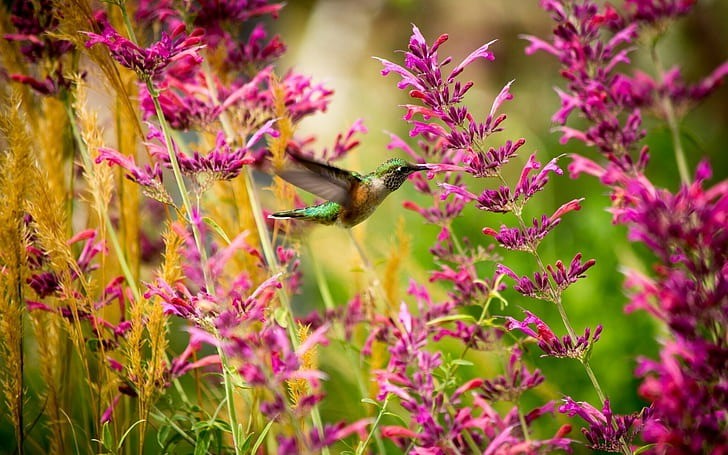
(549, 343)
(148, 177)
(516, 380)
(217, 18)
(419, 379)
(69, 285)
(453, 138)
(591, 43)
(234, 318)
(33, 21)
(48, 283)
(219, 164)
(548, 284)
(149, 63)
(237, 101)
(91, 312)
(684, 229)
(34, 24)
(686, 233)
(606, 431)
(451, 134)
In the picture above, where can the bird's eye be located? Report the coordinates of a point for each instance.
(401, 169)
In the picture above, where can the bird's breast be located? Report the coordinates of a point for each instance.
(364, 201)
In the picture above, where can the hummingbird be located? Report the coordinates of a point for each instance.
(351, 197)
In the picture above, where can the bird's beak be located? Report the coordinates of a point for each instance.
(421, 167)
(439, 167)
(434, 168)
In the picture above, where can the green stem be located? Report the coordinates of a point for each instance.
(229, 392)
(594, 381)
(524, 425)
(224, 118)
(572, 335)
(172, 156)
(267, 247)
(154, 94)
(229, 403)
(360, 450)
(556, 298)
(181, 184)
(272, 261)
(564, 317)
(323, 285)
(455, 241)
(265, 241)
(227, 380)
(127, 22)
(589, 372)
(260, 224)
(180, 432)
(362, 254)
(465, 434)
(682, 164)
(329, 304)
(672, 122)
(269, 254)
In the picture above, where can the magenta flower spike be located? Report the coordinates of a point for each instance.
(151, 62)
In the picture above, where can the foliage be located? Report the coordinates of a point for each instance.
(150, 304)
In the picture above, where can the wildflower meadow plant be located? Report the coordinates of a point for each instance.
(150, 305)
(684, 228)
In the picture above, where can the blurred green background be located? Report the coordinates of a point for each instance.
(334, 40)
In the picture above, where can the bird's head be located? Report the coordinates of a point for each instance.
(395, 171)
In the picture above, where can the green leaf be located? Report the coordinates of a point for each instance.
(261, 437)
(451, 318)
(245, 444)
(200, 426)
(370, 401)
(102, 452)
(216, 227)
(108, 438)
(217, 410)
(163, 435)
(644, 448)
(240, 433)
(279, 315)
(203, 443)
(126, 433)
(489, 322)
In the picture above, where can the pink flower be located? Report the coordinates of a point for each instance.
(552, 345)
(605, 431)
(148, 177)
(149, 63)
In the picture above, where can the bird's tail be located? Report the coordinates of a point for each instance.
(326, 213)
(289, 214)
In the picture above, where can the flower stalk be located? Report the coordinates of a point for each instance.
(182, 188)
(184, 195)
(671, 118)
(110, 230)
(268, 252)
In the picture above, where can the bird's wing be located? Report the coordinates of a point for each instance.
(325, 181)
